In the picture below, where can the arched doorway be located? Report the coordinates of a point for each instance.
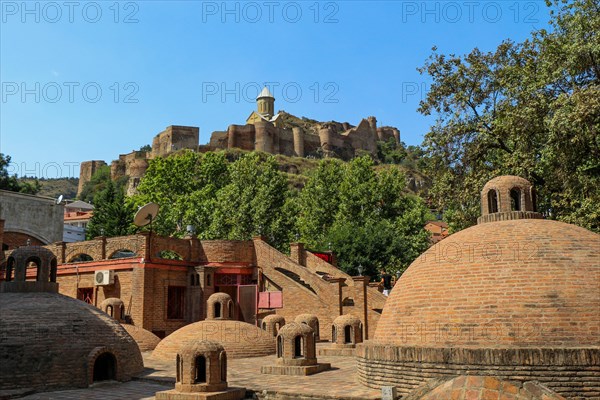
(105, 367)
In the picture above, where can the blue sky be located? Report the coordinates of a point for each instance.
(92, 80)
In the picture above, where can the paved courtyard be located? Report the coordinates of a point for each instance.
(338, 383)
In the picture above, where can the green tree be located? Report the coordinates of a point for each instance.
(12, 183)
(97, 183)
(185, 186)
(318, 201)
(528, 109)
(390, 152)
(254, 202)
(112, 215)
(365, 216)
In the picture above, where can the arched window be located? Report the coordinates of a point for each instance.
(208, 282)
(81, 258)
(109, 310)
(347, 334)
(264, 326)
(279, 347)
(10, 266)
(192, 280)
(33, 263)
(53, 270)
(230, 309)
(492, 201)
(333, 334)
(200, 375)
(515, 199)
(223, 360)
(123, 253)
(178, 368)
(217, 310)
(298, 346)
(277, 327)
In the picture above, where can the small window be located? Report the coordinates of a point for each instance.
(200, 375)
(208, 282)
(347, 334)
(279, 347)
(217, 310)
(86, 294)
(175, 302)
(515, 199)
(492, 201)
(298, 347)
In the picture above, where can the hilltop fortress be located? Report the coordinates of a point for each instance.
(265, 130)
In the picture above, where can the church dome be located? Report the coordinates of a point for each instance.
(518, 283)
(240, 339)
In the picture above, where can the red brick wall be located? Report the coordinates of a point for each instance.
(17, 239)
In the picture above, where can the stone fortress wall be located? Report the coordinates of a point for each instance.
(282, 133)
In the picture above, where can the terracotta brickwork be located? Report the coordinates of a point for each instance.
(142, 281)
(16, 239)
(516, 299)
(49, 341)
(323, 300)
(484, 387)
(240, 339)
(522, 283)
(573, 373)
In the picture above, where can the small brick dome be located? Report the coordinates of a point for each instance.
(220, 306)
(485, 387)
(507, 197)
(292, 330)
(114, 307)
(272, 323)
(346, 331)
(146, 340)
(310, 320)
(239, 339)
(520, 283)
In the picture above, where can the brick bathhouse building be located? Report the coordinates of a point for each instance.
(162, 294)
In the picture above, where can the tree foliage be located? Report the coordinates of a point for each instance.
(530, 109)
(112, 215)
(364, 216)
(12, 183)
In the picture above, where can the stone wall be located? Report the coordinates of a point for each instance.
(27, 216)
(86, 170)
(175, 138)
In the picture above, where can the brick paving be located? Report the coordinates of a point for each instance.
(339, 383)
(133, 390)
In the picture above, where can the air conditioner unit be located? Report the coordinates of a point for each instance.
(102, 278)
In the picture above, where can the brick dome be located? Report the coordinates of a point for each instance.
(51, 341)
(146, 340)
(483, 387)
(239, 339)
(519, 283)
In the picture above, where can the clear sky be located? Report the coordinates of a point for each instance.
(92, 80)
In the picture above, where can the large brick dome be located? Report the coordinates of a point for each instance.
(50, 341)
(519, 283)
(239, 339)
(515, 297)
